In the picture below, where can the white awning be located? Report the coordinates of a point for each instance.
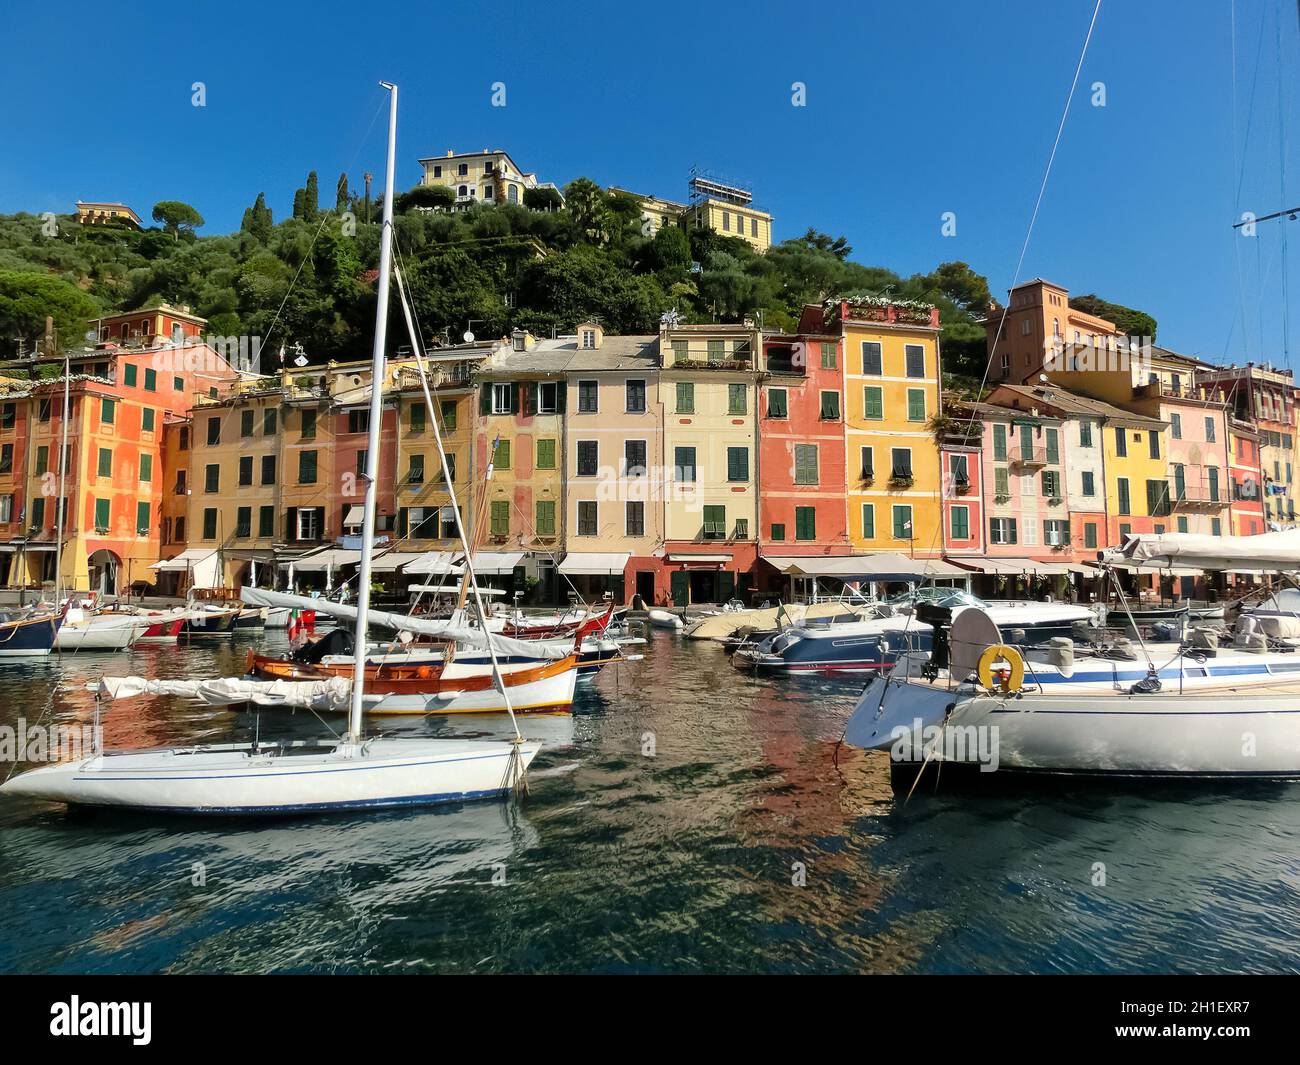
(186, 560)
(497, 562)
(393, 561)
(440, 562)
(332, 558)
(877, 566)
(356, 515)
(699, 558)
(595, 562)
(1014, 567)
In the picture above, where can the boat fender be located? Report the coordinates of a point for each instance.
(1007, 680)
(1148, 685)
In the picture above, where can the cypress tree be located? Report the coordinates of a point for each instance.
(341, 196)
(311, 199)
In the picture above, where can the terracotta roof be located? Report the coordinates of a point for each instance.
(1084, 406)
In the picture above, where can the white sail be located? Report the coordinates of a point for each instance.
(332, 694)
(445, 630)
(1270, 551)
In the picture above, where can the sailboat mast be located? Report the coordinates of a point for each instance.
(376, 416)
(63, 460)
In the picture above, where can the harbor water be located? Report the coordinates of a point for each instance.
(687, 818)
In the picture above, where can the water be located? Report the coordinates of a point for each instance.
(683, 861)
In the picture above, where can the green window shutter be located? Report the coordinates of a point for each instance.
(103, 513)
(151, 380)
(805, 464)
(546, 454)
(830, 406)
(105, 462)
(142, 517)
(902, 523)
(1026, 442)
(868, 521)
(545, 517)
(776, 403)
(873, 403)
(916, 404)
(1001, 482)
(307, 467)
(1085, 434)
(805, 523)
(778, 533)
(246, 423)
(737, 464)
(131, 375)
(715, 522)
(737, 401)
(1125, 504)
(42, 459)
(1053, 445)
(146, 420)
(107, 411)
(685, 397)
(828, 356)
(1090, 534)
(960, 523)
(501, 459)
(1000, 443)
(500, 517)
(485, 399)
(266, 521)
(146, 467)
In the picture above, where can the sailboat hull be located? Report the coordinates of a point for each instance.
(234, 779)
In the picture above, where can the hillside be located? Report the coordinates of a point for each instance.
(497, 266)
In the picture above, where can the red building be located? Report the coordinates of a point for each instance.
(962, 470)
(802, 508)
(1247, 511)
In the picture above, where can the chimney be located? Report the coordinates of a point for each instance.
(450, 153)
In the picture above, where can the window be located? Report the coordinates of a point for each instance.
(43, 410)
(587, 517)
(776, 403)
(415, 472)
(38, 512)
(105, 462)
(42, 459)
(901, 462)
(246, 423)
(146, 468)
(210, 523)
(634, 397)
(107, 411)
(1153, 443)
(717, 351)
(1051, 484)
(872, 365)
(500, 517)
(212, 478)
(868, 521)
(634, 458)
(449, 522)
(306, 467)
(1176, 426)
(829, 355)
(1125, 502)
(545, 522)
(147, 420)
(737, 464)
(244, 523)
(501, 457)
(902, 521)
(151, 380)
(1158, 498)
(805, 464)
(269, 420)
(1053, 445)
(178, 383)
(830, 406)
(130, 375)
(548, 397)
(245, 470)
(1056, 532)
(685, 397)
(447, 408)
(1089, 483)
(805, 523)
(1000, 443)
(266, 521)
(268, 469)
(546, 454)
(1001, 483)
(103, 515)
(1121, 443)
(1216, 527)
(7, 459)
(914, 355)
(959, 523)
(778, 532)
(916, 404)
(588, 458)
(1026, 443)
(1002, 530)
(1085, 433)
(588, 397)
(1090, 534)
(737, 399)
(681, 351)
(450, 459)
(634, 518)
(1182, 524)
(311, 523)
(214, 432)
(868, 463)
(959, 469)
(715, 523)
(1213, 474)
(873, 403)
(684, 464)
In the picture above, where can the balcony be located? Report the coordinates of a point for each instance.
(1034, 458)
(1198, 486)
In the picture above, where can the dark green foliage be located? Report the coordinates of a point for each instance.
(341, 194)
(1129, 321)
(176, 217)
(26, 299)
(431, 196)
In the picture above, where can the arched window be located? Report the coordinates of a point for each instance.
(512, 193)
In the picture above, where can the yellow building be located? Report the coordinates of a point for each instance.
(891, 390)
(1136, 466)
(732, 220)
(489, 176)
(708, 384)
(656, 213)
(96, 214)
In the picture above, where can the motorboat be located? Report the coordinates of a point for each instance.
(87, 629)
(871, 638)
(665, 619)
(28, 634)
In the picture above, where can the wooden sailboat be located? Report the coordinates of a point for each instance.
(293, 778)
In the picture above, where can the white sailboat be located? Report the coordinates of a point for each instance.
(353, 772)
(1202, 708)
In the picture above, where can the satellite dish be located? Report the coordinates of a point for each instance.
(469, 337)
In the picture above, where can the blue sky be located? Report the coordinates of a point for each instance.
(913, 109)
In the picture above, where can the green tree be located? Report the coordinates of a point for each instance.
(341, 194)
(543, 199)
(434, 196)
(311, 199)
(176, 217)
(1130, 322)
(26, 298)
(589, 208)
